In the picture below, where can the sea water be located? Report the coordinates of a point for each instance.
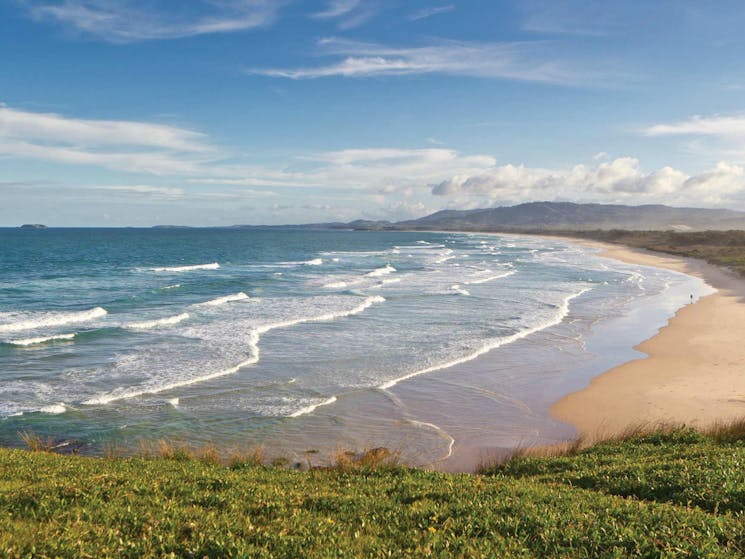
(310, 339)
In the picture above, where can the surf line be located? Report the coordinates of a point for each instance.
(253, 344)
(493, 344)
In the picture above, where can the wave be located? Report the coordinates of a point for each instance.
(211, 266)
(490, 345)
(54, 409)
(222, 300)
(459, 289)
(253, 345)
(440, 431)
(311, 408)
(146, 325)
(385, 282)
(387, 269)
(37, 341)
(53, 319)
(174, 286)
(366, 304)
(490, 278)
(125, 394)
(314, 262)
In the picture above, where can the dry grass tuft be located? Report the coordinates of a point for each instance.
(36, 443)
(727, 431)
(251, 457)
(380, 458)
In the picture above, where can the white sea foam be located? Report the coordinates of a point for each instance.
(222, 300)
(387, 269)
(336, 285)
(459, 289)
(54, 409)
(489, 278)
(42, 340)
(562, 312)
(174, 402)
(32, 321)
(126, 393)
(211, 266)
(311, 408)
(146, 325)
(314, 262)
(385, 282)
(253, 346)
(366, 304)
(174, 286)
(441, 432)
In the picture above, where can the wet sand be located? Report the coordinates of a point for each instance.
(695, 370)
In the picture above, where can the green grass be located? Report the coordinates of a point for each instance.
(679, 494)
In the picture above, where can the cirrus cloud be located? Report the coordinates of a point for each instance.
(121, 21)
(524, 61)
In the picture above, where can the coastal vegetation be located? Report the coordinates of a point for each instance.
(722, 248)
(674, 493)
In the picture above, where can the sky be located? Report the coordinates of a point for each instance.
(220, 112)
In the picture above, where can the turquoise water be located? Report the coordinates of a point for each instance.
(303, 339)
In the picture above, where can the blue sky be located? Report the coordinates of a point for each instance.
(217, 112)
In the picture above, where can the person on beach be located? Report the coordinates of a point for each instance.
(691, 298)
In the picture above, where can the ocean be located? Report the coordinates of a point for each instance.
(311, 340)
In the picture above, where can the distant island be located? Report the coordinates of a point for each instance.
(33, 226)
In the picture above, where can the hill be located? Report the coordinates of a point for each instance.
(567, 215)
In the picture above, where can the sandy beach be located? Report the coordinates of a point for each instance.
(695, 370)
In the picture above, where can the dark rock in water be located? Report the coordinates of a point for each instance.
(33, 226)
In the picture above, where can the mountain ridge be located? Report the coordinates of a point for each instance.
(569, 215)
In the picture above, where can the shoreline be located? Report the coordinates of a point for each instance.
(692, 372)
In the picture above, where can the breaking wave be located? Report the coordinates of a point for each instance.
(563, 311)
(44, 320)
(211, 266)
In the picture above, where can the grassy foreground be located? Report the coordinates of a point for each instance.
(679, 494)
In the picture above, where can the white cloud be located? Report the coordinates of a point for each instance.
(114, 144)
(49, 127)
(621, 180)
(722, 126)
(137, 20)
(142, 189)
(377, 168)
(516, 60)
(351, 13)
(431, 11)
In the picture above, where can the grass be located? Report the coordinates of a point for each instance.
(675, 493)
